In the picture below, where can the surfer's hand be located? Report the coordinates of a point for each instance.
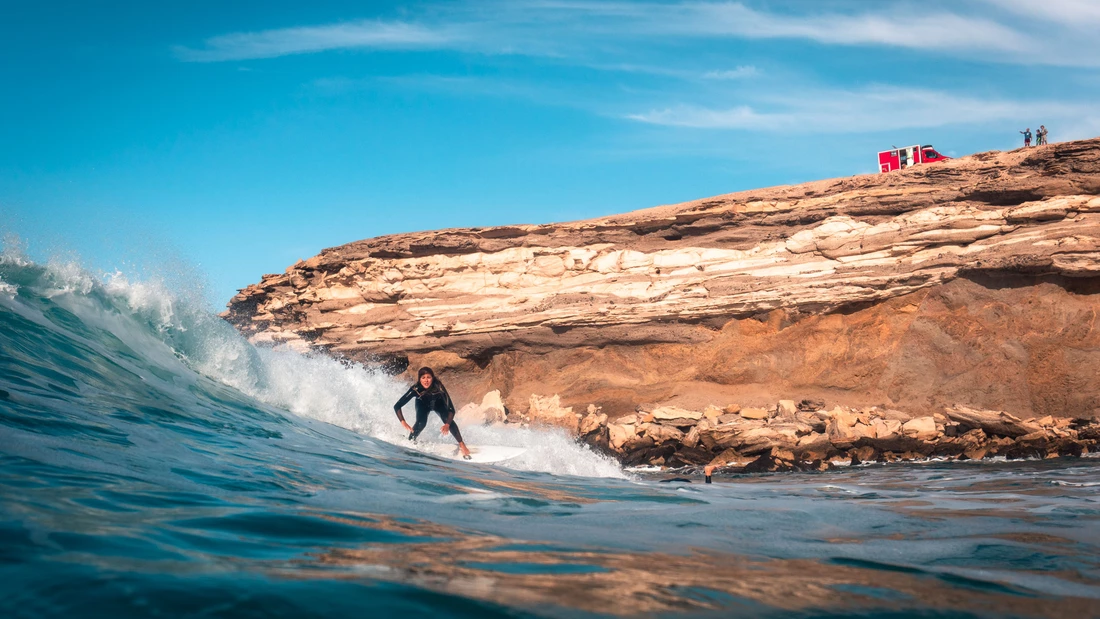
(446, 428)
(405, 424)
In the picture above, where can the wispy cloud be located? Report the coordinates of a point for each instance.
(861, 111)
(595, 29)
(740, 72)
(1072, 13)
(286, 41)
(645, 44)
(932, 31)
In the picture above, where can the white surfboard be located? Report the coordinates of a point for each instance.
(486, 454)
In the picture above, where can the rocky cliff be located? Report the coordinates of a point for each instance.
(974, 282)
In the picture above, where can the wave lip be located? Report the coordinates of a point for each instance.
(165, 332)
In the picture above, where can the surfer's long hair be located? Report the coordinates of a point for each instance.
(437, 385)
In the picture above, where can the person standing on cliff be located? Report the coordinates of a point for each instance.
(1027, 137)
(430, 396)
(1041, 135)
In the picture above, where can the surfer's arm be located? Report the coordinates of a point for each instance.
(450, 408)
(403, 401)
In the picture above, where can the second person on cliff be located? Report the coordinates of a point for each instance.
(430, 396)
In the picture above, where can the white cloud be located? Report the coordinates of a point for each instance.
(873, 109)
(740, 72)
(1072, 13)
(286, 41)
(917, 29)
(740, 117)
(595, 32)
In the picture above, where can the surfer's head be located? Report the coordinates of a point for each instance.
(425, 376)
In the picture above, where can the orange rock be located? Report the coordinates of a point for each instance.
(755, 413)
(921, 428)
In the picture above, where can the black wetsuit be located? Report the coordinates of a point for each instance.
(434, 398)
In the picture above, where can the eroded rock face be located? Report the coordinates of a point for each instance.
(975, 281)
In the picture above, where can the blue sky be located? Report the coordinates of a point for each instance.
(231, 139)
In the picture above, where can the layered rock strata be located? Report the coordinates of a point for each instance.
(975, 281)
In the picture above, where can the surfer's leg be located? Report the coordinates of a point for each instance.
(455, 432)
(418, 427)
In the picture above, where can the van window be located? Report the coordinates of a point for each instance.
(931, 154)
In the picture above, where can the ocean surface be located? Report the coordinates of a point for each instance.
(153, 463)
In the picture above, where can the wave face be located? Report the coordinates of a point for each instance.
(152, 461)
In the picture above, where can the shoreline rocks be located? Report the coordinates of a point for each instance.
(789, 438)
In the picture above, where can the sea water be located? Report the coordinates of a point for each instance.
(154, 463)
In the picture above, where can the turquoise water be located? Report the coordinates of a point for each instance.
(154, 463)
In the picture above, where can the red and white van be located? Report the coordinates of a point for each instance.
(899, 158)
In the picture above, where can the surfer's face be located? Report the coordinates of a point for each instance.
(426, 381)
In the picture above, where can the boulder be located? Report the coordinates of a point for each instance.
(839, 428)
(1089, 431)
(786, 408)
(712, 412)
(718, 437)
(691, 439)
(811, 405)
(921, 428)
(639, 443)
(891, 415)
(790, 431)
(773, 460)
(676, 417)
(755, 413)
(599, 441)
(619, 434)
(688, 456)
(643, 451)
(591, 423)
(862, 454)
(886, 429)
(863, 430)
(732, 409)
(663, 434)
(814, 421)
(814, 447)
(729, 457)
(757, 440)
(993, 423)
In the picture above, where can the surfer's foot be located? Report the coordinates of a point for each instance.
(464, 450)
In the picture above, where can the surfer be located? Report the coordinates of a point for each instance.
(430, 396)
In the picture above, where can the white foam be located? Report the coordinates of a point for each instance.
(173, 327)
